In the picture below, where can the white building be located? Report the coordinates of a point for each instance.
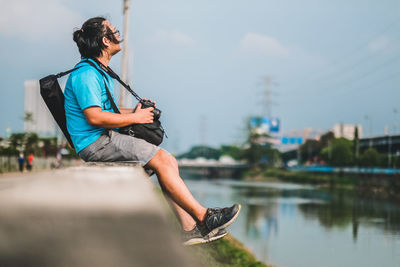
(346, 130)
(42, 121)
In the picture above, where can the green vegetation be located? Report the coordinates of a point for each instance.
(27, 143)
(333, 180)
(340, 152)
(370, 158)
(225, 252)
(201, 151)
(259, 153)
(381, 187)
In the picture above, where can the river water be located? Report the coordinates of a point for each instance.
(290, 225)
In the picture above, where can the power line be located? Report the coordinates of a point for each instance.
(369, 87)
(340, 83)
(357, 79)
(393, 76)
(347, 56)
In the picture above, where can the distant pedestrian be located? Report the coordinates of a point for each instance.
(21, 161)
(29, 162)
(59, 159)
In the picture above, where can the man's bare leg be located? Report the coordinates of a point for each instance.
(170, 181)
(185, 219)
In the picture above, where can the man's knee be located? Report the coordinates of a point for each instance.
(162, 159)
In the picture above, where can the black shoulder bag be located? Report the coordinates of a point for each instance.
(53, 96)
(151, 132)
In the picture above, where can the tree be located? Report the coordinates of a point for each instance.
(356, 145)
(201, 151)
(340, 154)
(312, 148)
(28, 117)
(17, 143)
(231, 150)
(326, 138)
(370, 158)
(31, 142)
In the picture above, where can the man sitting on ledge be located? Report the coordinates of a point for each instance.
(91, 120)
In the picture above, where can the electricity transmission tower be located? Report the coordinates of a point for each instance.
(268, 94)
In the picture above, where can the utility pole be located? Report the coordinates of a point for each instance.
(203, 130)
(394, 121)
(389, 151)
(369, 124)
(123, 96)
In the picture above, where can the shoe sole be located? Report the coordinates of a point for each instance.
(204, 240)
(216, 230)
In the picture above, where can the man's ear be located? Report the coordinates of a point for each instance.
(106, 41)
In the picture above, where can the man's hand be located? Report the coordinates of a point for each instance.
(154, 102)
(109, 120)
(144, 115)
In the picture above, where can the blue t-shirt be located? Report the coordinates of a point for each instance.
(85, 88)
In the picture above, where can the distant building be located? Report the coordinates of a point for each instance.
(41, 121)
(346, 130)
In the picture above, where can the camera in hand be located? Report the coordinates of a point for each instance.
(149, 104)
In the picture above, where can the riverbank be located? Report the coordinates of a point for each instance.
(225, 252)
(371, 185)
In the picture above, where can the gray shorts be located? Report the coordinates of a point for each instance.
(112, 146)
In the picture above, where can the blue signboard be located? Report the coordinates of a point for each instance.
(265, 125)
(291, 140)
(274, 125)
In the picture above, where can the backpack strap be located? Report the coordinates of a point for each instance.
(59, 75)
(113, 105)
(113, 75)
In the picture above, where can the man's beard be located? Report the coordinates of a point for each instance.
(115, 52)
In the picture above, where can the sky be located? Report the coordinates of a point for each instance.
(204, 62)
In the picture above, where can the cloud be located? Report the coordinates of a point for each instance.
(37, 20)
(262, 44)
(173, 37)
(382, 44)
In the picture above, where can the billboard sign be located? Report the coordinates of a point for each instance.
(264, 125)
(292, 140)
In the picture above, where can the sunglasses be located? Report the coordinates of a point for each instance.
(114, 33)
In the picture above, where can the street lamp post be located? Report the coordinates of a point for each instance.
(394, 121)
(369, 125)
(124, 61)
(389, 151)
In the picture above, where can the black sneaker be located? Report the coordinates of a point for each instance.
(199, 235)
(217, 219)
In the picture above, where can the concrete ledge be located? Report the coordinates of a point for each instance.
(94, 215)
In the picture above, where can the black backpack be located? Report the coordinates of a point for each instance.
(52, 95)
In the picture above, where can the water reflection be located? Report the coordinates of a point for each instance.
(280, 222)
(344, 210)
(262, 221)
(331, 209)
